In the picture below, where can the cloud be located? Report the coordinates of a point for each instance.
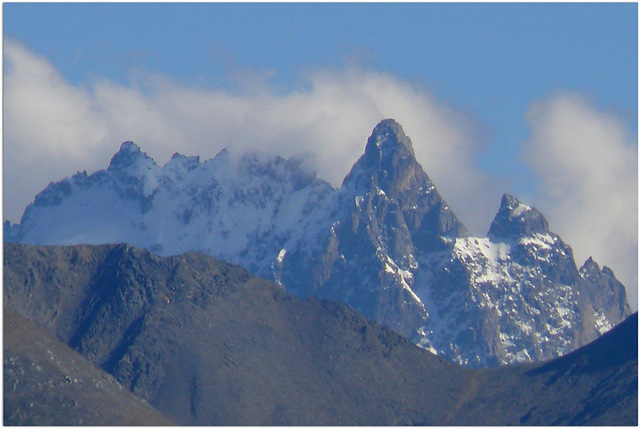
(54, 128)
(587, 163)
(45, 120)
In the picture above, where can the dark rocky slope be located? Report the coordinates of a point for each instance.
(594, 385)
(47, 383)
(206, 343)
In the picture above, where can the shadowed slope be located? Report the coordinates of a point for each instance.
(594, 385)
(206, 343)
(47, 383)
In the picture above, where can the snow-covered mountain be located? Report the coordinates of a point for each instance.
(385, 242)
(517, 295)
(237, 210)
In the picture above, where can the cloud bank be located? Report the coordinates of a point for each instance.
(586, 164)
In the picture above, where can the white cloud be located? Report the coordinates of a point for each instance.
(53, 128)
(588, 167)
(45, 120)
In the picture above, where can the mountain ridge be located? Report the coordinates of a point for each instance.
(206, 343)
(385, 242)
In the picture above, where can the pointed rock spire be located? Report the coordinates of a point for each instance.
(515, 219)
(591, 269)
(127, 156)
(388, 161)
(590, 266)
(388, 139)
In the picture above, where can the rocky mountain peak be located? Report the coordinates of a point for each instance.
(590, 269)
(388, 163)
(128, 156)
(590, 266)
(182, 162)
(180, 157)
(388, 139)
(515, 219)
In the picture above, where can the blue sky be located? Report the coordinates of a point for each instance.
(491, 60)
(488, 57)
(478, 88)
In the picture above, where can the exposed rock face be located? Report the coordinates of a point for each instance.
(399, 255)
(515, 219)
(593, 385)
(388, 211)
(517, 295)
(385, 242)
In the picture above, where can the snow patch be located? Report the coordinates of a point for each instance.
(603, 324)
(281, 256)
(520, 209)
(405, 277)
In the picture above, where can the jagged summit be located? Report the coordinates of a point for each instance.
(589, 266)
(179, 161)
(388, 163)
(515, 219)
(178, 155)
(129, 146)
(128, 155)
(387, 139)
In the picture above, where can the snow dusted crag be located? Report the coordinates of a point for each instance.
(517, 295)
(237, 210)
(384, 217)
(385, 242)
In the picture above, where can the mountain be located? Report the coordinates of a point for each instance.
(384, 217)
(517, 295)
(385, 242)
(592, 386)
(47, 383)
(206, 343)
